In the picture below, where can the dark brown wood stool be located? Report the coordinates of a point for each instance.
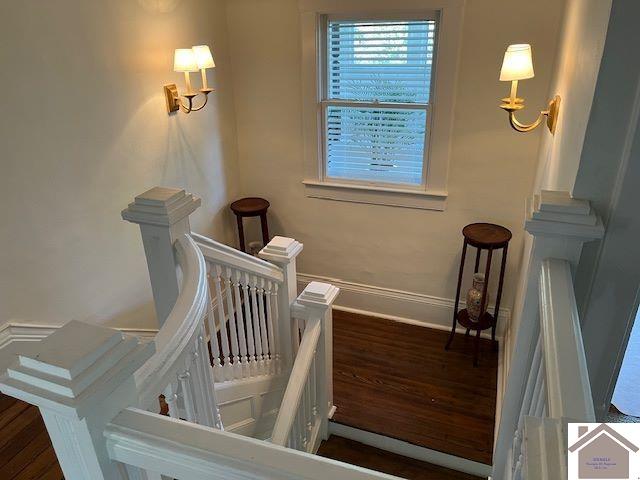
(490, 237)
(251, 207)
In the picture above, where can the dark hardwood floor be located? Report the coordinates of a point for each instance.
(389, 378)
(362, 455)
(25, 449)
(397, 380)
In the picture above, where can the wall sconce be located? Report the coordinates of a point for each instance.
(189, 60)
(517, 65)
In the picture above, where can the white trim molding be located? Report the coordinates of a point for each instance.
(16, 332)
(399, 305)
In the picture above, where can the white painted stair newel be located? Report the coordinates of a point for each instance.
(282, 251)
(303, 417)
(557, 226)
(318, 299)
(163, 216)
(80, 377)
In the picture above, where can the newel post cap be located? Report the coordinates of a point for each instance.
(281, 250)
(318, 295)
(75, 368)
(557, 214)
(161, 206)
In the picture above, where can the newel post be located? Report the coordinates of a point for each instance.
(163, 216)
(80, 377)
(283, 251)
(557, 226)
(318, 299)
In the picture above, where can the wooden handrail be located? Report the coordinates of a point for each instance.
(178, 331)
(567, 378)
(297, 381)
(178, 449)
(230, 257)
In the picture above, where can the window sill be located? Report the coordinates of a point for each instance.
(393, 197)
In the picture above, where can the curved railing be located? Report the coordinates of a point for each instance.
(181, 369)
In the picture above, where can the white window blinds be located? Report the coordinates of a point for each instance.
(375, 111)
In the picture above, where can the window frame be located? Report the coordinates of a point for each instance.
(325, 101)
(432, 192)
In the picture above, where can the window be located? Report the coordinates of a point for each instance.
(376, 99)
(378, 91)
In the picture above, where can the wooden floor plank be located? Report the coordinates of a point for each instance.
(396, 379)
(43, 467)
(362, 455)
(25, 448)
(26, 456)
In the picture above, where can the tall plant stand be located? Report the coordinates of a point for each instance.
(490, 237)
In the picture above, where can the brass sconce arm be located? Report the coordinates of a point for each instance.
(551, 114)
(175, 103)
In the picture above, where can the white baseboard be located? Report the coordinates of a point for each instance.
(399, 305)
(410, 450)
(16, 332)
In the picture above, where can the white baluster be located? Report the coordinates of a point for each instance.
(213, 336)
(201, 365)
(308, 408)
(256, 324)
(303, 427)
(272, 315)
(187, 395)
(240, 323)
(237, 368)
(536, 391)
(541, 401)
(251, 345)
(224, 338)
(263, 325)
(209, 389)
(314, 387)
(171, 398)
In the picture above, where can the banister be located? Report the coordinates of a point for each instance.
(181, 325)
(567, 378)
(297, 381)
(231, 257)
(180, 449)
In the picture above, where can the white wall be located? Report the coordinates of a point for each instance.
(491, 169)
(581, 44)
(84, 129)
(580, 47)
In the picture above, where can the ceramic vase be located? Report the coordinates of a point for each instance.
(474, 297)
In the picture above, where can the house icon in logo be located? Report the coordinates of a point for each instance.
(603, 453)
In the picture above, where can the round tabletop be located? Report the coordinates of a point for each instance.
(250, 206)
(486, 235)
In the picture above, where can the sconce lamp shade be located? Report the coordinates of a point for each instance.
(517, 63)
(204, 59)
(184, 60)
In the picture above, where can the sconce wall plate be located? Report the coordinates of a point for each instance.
(172, 98)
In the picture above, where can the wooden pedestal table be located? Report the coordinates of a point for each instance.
(490, 237)
(251, 207)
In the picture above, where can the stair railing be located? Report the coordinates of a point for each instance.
(557, 385)
(180, 369)
(244, 312)
(302, 421)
